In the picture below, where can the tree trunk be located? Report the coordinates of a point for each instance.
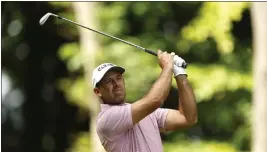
(85, 13)
(259, 123)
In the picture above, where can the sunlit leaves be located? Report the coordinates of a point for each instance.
(111, 18)
(215, 20)
(241, 138)
(209, 79)
(60, 4)
(67, 51)
(81, 143)
(71, 54)
(75, 91)
(198, 146)
(140, 8)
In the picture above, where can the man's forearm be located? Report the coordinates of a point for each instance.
(187, 99)
(161, 87)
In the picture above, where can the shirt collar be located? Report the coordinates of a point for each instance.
(106, 106)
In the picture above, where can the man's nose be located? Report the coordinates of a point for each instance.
(115, 82)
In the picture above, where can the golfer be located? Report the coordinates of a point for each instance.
(136, 127)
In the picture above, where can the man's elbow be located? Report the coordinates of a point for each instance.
(193, 120)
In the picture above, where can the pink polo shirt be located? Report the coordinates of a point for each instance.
(117, 133)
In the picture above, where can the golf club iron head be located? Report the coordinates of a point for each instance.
(45, 17)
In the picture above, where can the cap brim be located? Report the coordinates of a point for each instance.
(117, 69)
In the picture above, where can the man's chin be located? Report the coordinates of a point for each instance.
(120, 101)
(117, 102)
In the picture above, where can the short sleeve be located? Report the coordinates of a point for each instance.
(115, 120)
(161, 116)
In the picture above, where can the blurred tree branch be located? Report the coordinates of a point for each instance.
(259, 124)
(85, 14)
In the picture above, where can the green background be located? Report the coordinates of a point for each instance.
(44, 108)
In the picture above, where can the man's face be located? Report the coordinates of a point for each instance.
(111, 89)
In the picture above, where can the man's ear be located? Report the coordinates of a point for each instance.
(97, 92)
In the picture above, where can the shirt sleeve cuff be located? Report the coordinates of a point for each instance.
(164, 120)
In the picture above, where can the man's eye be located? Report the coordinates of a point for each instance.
(108, 81)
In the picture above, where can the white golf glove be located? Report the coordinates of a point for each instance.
(177, 70)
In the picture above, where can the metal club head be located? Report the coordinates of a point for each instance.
(45, 17)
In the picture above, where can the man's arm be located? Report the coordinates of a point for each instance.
(158, 93)
(186, 115)
(187, 99)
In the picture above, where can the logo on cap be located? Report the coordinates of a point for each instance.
(105, 65)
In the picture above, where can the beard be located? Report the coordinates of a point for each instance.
(117, 99)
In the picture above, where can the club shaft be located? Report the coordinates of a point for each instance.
(105, 34)
(139, 47)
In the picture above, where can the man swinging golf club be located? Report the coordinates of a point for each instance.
(124, 127)
(136, 127)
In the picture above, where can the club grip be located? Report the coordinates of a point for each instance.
(155, 54)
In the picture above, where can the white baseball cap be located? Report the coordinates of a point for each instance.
(102, 69)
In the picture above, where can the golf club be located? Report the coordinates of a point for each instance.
(47, 15)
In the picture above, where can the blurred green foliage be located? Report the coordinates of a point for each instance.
(199, 146)
(215, 20)
(202, 33)
(82, 145)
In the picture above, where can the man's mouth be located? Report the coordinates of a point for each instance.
(118, 91)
